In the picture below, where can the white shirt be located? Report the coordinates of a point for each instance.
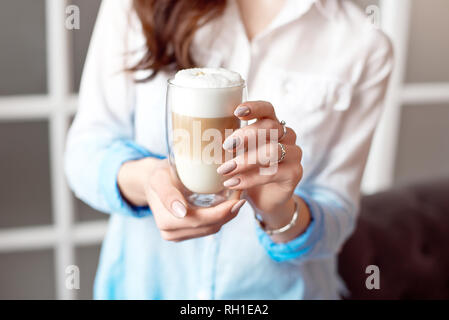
(323, 66)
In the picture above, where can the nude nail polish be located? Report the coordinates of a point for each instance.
(178, 209)
(242, 111)
(238, 206)
(231, 143)
(231, 182)
(227, 167)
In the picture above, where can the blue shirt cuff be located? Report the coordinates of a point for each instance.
(332, 219)
(118, 153)
(299, 246)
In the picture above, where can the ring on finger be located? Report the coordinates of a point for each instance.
(284, 129)
(283, 152)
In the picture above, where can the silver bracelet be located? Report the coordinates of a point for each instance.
(284, 228)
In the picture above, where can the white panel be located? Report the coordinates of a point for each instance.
(425, 93)
(33, 238)
(87, 233)
(27, 238)
(59, 75)
(379, 173)
(34, 107)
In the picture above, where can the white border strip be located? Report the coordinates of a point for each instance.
(87, 233)
(59, 84)
(425, 93)
(33, 238)
(45, 237)
(24, 107)
(34, 107)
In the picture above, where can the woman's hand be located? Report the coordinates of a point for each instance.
(148, 182)
(269, 185)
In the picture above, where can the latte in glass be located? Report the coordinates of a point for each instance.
(200, 115)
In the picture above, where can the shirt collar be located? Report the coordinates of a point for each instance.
(295, 9)
(292, 10)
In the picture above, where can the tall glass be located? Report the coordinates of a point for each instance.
(198, 120)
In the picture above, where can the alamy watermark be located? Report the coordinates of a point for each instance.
(259, 146)
(72, 280)
(373, 280)
(72, 21)
(373, 13)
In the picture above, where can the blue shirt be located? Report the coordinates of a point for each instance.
(330, 93)
(240, 262)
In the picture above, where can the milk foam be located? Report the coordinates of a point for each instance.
(206, 92)
(207, 78)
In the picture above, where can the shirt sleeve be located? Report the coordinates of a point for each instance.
(332, 195)
(101, 137)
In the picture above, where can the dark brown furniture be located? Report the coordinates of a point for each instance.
(405, 232)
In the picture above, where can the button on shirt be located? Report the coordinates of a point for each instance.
(325, 69)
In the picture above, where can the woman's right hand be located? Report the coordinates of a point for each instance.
(148, 182)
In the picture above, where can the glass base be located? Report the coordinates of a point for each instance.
(206, 200)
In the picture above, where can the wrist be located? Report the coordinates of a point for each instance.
(280, 215)
(285, 216)
(133, 178)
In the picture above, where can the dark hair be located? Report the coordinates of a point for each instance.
(169, 27)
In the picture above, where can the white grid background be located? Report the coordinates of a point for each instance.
(59, 105)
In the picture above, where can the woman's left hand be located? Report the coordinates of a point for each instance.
(269, 185)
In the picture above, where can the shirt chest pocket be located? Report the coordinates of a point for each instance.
(307, 94)
(312, 106)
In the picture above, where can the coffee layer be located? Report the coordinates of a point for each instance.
(193, 136)
(198, 151)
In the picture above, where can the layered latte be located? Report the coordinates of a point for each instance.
(202, 114)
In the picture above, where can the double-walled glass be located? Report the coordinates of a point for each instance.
(198, 120)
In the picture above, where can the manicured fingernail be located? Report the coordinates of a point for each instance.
(231, 182)
(231, 143)
(179, 209)
(242, 111)
(238, 206)
(227, 167)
